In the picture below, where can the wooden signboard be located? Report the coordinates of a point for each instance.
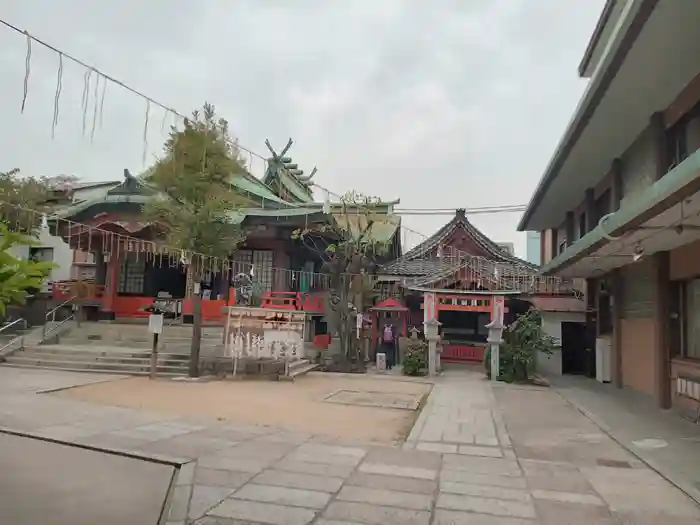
(264, 333)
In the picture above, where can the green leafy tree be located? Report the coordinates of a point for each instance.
(194, 199)
(523, 339)
(350, 253)
(22, 197)
(18, 276)
(23, 200)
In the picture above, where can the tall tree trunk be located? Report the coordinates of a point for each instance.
(196, 344)
(196, 300)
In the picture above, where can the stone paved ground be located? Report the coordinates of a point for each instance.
(477, 456)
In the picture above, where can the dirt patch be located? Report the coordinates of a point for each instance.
(301, 406)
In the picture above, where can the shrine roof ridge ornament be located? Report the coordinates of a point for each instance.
(282, 171)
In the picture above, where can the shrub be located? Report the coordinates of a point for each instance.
(522, 340)
(416, 358)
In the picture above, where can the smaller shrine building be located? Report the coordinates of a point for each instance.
(457, 272)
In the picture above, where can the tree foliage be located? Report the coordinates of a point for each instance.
(523, 339)
(416, 358)
(25, 199)
(194, 199)
(18, 276)
(193, 180)
(21, 196)
(350, 253)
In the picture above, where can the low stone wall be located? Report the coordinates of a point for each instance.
(247, 367)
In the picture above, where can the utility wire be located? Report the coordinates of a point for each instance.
(110, 78)
(169, 110)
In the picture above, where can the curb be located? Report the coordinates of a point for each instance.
(677, 481)
(170, 461)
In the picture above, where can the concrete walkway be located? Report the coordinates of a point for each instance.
(479, 455)
(667, 442)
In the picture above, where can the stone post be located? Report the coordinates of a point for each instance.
(432, 336)
(494, 339)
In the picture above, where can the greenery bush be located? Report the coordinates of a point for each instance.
(523, 339)
(416, 357)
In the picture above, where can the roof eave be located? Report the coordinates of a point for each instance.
(608, 68)
(594, 41)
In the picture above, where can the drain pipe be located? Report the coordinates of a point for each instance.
(601, 224)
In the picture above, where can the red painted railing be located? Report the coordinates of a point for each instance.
(64, 290)
(292, 301)
(133, 306)
(280, 300)
(454, 353)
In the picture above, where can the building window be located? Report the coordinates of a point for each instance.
(691, 320)
(41, 254)
(602, 206)
(132, 274)
(261, 262)
(683, 138)
(562, 247)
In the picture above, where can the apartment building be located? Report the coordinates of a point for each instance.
(619, 205)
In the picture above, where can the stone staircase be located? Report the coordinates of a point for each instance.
(298, 368)
(104, 359)
(125, 348)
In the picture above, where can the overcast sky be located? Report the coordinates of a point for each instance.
(441, 103)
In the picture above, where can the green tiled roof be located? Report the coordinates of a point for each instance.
(250, 184)
(383, 229)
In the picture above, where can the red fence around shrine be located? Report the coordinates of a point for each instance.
(453, 353)
(212, 309)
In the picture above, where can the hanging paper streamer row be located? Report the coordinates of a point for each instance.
(93, 97)
(470, 270)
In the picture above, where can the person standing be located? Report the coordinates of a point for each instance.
(388, 345)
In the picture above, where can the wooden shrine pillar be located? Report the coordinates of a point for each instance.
(111, 286)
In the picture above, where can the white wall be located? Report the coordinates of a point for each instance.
(551, 324)
(62, 254)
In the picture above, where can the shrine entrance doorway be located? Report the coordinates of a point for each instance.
(463, 317)
(463, 321)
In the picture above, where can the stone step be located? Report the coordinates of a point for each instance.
(164, 360)
(70, 367)
(177, 346)
(101, 351)
(92, 366)
(144, 337)
(299, 368)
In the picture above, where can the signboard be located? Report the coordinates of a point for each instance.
(155, 323)
(264, 333)
(359, 325)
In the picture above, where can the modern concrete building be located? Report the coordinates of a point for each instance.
(619, 203)
(533, 248)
